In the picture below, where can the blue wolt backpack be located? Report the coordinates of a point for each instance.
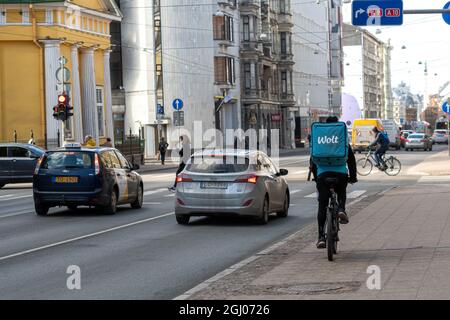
(329, 144)
(384, 140)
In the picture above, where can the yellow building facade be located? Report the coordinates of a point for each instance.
(48, 47)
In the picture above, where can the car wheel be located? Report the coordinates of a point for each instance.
(182, 219)
(137, 204)
(285, 211)
(111, 209)
(264, 217)
(41, 210)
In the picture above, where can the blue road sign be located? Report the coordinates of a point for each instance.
(160, 109)
(377, 12)
(446, 107)
(178, 104)
(446, 16)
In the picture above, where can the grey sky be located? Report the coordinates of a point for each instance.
(426, 38)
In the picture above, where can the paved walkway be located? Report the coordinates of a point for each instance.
(404, 233)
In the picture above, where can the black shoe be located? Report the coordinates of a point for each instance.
(321, 244)
(173, 189)
(343, 218)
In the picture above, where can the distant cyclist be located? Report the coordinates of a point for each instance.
(345, 174)
(382, 145)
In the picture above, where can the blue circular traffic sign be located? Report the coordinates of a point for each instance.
(178, 104)
(446, 16)
(446, 107)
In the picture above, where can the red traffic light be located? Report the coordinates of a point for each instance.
(62, 98)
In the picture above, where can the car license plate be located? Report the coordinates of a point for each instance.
(66, 179)
(214, 185)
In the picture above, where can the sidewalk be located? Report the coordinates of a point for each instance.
(405, 232)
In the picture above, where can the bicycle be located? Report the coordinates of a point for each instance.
(332, 222)
(364, 166)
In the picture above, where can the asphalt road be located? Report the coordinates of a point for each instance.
(145, 254)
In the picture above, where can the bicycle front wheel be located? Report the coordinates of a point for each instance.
(364, 167)
(330, 235)
(394, 166)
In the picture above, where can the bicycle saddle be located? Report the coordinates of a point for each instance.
(331, 181)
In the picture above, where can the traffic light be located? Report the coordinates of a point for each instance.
(63, 110)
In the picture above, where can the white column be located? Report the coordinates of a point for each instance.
(76, 96)
(88, 97)
(108, 96)
(51, 56)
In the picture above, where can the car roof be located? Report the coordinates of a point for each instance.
(14, 144)
(228, 152)
(83, 149)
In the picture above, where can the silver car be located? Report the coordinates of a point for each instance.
(440, 136)
(237, 182)
(419, 141)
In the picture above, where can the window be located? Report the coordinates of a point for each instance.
(248, 76)
(246, 28)
(286, 82)
(100, 112)
(68, 160)
(224, 70)
(114, 160)
(106, 159)
(230, 164)
(223, 28)
(285, 6)
(285, 42)
(3, 152)
(123, 161)
(17, 152)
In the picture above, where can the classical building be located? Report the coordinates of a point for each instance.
(49, 47)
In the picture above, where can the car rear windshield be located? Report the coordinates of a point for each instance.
(225, 164)
(68, 160)
(416, 136)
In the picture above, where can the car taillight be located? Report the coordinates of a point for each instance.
(38, 164)
(407, 140)
(247, 203)
(423, 140)
(247, 179)
(183, 178)
(180, 202)
(97, 165)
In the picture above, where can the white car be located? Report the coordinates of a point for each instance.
(440, 136)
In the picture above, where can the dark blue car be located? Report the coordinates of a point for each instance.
(75, 176)
(17, 162)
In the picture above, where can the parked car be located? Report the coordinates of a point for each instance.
(440, 136)
(74, 176)
(17, 162)
(238, 182)
(419, 141)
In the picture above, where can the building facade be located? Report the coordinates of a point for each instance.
(367, 72)
(47, 48)
(266, 58)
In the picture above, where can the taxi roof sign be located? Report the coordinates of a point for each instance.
(75, 145)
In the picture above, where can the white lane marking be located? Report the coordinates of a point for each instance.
(301, 172)
(84, 237)
(166, 175)
(169, 195)
(152, 203)
(147, 193)
(15, 198)
(355, 194)
(312, 195)
(15, 214)
(7, 196)
(295, 191)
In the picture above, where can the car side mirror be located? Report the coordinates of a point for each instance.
(135, 167)
(283, 172)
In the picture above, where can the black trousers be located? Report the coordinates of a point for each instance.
(324, 195)
(163, 157)
(180, 168)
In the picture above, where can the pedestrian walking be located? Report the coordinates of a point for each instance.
(185, 154)
(108, 143)
(89, 142)
(163, 145)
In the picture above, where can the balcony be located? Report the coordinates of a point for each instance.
(285, 22)
(287, 98)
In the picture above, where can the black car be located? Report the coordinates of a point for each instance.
(17, 162)
(74, 176)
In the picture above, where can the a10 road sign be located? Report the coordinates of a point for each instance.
(378, 12)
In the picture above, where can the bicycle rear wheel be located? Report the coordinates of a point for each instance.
(330, 235)
(394, 166)
(364, 167)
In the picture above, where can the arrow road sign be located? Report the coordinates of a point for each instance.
(446, 108)
(178, 104)
(377, 12)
